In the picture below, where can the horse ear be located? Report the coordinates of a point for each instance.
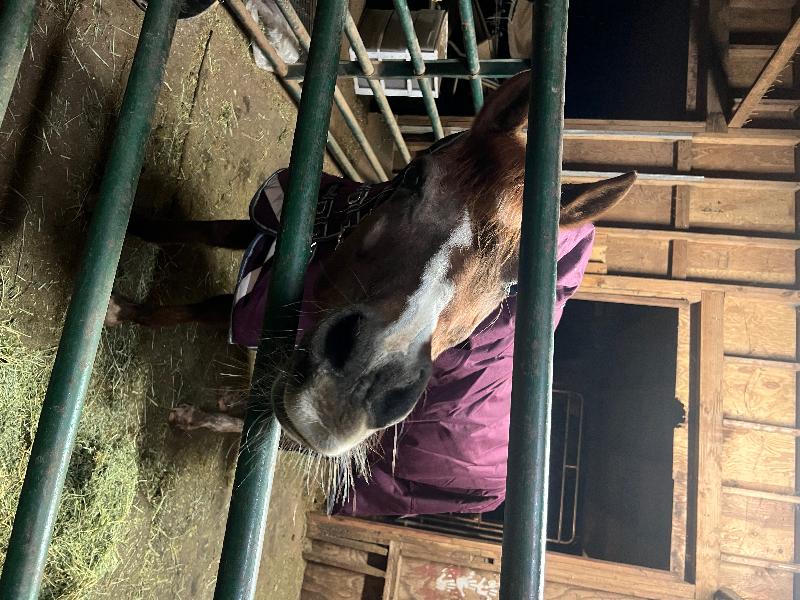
(584, 202)
(506, 109)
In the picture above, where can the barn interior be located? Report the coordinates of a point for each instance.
(675, 424)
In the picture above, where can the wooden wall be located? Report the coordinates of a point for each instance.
(711, 224)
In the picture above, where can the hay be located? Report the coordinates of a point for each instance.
(101, 481)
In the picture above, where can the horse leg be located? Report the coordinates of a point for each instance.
(189, 418)
(233, 234)
(214, 311)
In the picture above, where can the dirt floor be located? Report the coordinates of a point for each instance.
(222, 127)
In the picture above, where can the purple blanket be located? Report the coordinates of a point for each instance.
(450, 454)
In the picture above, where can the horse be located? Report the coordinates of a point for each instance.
(412, 278)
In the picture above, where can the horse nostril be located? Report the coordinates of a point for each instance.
(340, 340)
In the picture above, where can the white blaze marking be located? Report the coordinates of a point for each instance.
(418, 321)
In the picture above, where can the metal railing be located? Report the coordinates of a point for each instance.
(523, 544)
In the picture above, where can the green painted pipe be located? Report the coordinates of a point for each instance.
(55, 435)
(401, 69)
(244, 534)
(471, 47)
(407, 23)
(367, 69)
(16, 21)
(299, 30)
(525, 528)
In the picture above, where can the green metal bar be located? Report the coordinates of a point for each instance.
(367, 70)
(16, 21)
(407, 23)
(244, 534)
(61, 411)
(525, 529)
(402, 69)
(471, 47)
(350, 119)
(242, 15)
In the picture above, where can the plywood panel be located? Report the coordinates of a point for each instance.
(644, 155)
(759, 459)
(322, 582)
(760, 329)
(640, 256)
(759, 394)
(743, 209)
(757, 528)
(744, 63)
(418, 579)
(747, 264)
(557, 591)
(645, 204)
(754, 583)
(774, 159)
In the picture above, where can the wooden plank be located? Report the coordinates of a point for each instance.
(785, 298)
(693, 58)
(616, 154)
(683, 156)
(649, 234)
(322, 582)
(747, 61)
(760, 329)
(637, 255)
(772, 565)
(760, 391)
(696, 181)
(336, 555)
(752, 264)
(757, 528)
(760, 20)
(354, 544)
(680, 447)
(710, 443)
(757, 459)
(679, 259)
(393, 567)
(683, 207)
(756, 583)
(755, 426)
(593, 296)
(765, 363)
(749, 493)
(327, 560)
(747, 210)
(644, 205)
(775, 65)
(760, 160)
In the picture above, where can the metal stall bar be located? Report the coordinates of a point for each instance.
(16, 21)
(367, 70)
(61, 411)
(400, 69)
(471, 47)
(525, 523)
(244, 533)
(407, 22)
(299, 30)
(281, 69)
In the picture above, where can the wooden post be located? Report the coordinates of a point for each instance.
(710, 439)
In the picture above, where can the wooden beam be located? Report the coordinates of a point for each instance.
(762, 363)
(684, 289)
(739, 491)
(710, 440)
(777, 62)
(772, 565)
(724, 239)
(754, 426)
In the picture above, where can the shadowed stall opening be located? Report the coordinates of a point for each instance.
(613, 418)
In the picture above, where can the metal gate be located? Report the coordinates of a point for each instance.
(526, 501)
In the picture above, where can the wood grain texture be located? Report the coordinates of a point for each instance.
(758, 528)
(765, 395)
(709, 432)
(680, 447)
(755, 583)
(743, 209)
(760, 329)
(322, 582)
(759, 459)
